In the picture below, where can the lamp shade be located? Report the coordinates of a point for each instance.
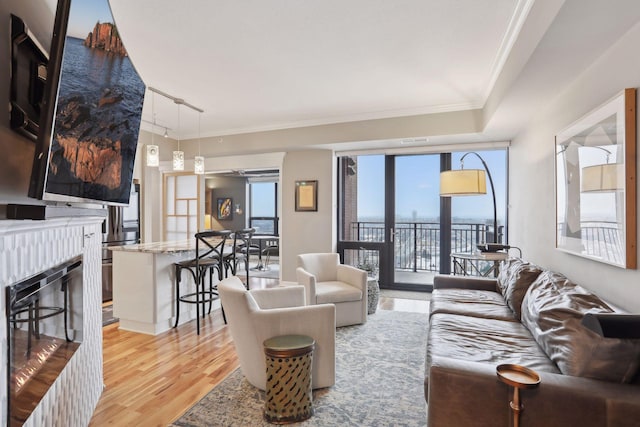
(463, 182)
(602, 178)
(153, 156)
(198, 165)
(178, 160)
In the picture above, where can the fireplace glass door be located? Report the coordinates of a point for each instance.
(44, 324)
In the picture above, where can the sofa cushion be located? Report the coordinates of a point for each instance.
(485, 340)
(553, 309)
(514, 280)
(470, 302)
(333, 291)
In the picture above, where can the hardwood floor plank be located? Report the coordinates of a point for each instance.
(152, 380)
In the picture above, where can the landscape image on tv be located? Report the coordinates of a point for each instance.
(98, 112)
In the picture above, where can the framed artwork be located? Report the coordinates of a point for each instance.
(306, 196)
(224, 210)
(596, 183)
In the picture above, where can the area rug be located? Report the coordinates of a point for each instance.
(379, 381)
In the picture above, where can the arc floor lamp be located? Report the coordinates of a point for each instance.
(469, 182)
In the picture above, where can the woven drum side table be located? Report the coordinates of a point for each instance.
(373, 294)
(288, 392)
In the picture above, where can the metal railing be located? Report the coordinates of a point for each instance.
(417, 244)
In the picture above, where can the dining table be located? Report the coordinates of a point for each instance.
(264, 241)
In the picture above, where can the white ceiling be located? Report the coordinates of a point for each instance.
(260, 65)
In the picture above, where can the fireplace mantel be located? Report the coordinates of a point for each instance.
(27, 248)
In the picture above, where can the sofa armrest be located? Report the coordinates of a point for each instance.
(443, 281)
(470, 393)
(613, 325)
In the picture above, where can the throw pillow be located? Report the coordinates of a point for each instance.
(514, 280)
(553, 309)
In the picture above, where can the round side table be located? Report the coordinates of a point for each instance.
(518, 377)
(288, 392)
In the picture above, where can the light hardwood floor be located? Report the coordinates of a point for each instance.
(153, 380)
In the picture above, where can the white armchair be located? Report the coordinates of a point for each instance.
(326, 281)
(256, 315)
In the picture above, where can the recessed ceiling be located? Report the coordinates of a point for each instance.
(259, 65)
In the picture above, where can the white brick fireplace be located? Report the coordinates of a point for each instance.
(27, 248)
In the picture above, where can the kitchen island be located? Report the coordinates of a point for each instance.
(144, 285)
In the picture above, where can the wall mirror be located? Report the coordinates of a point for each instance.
(595, 184)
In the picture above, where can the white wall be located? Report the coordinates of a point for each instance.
(304, 232)
(532, 187)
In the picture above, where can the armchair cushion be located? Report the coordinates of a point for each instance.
(332, 292)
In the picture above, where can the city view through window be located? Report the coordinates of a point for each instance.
(263, 204)
(416, 240)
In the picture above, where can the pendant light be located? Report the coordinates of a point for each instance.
(178, 156)
(198, 161)
(153, 151)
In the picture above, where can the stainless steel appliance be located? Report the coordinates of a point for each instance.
(121, 227)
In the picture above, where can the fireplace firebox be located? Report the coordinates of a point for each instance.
(45, 328)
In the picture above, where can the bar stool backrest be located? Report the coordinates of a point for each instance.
(210, 244)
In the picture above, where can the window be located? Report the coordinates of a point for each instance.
(391, 213)
(263, 202)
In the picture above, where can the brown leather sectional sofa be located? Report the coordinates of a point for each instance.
(534, 318)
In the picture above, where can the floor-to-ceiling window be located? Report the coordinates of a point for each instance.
(393, 221)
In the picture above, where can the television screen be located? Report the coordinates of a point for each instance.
(86, 150)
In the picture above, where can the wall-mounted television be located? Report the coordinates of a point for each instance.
(92, 108)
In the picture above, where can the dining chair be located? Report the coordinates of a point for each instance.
(209, 257)
(272, 249)
(241, 252)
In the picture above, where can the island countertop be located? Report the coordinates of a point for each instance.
(170, 247)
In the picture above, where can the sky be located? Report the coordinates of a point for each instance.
(418, 186)
(84, 14)
(263, 199)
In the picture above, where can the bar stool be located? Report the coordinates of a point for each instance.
(209, 257)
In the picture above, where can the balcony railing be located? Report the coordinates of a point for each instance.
(417, 244)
